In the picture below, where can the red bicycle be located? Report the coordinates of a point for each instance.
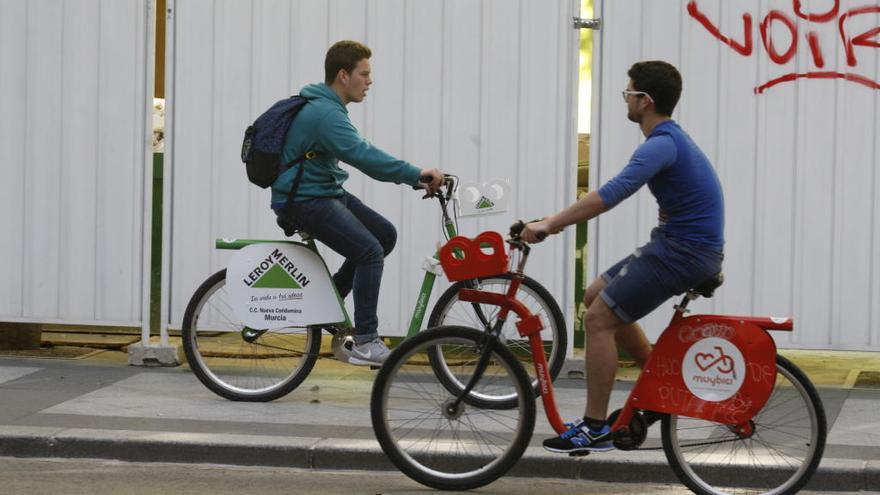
(735, 416)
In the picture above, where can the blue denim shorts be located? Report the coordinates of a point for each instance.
(660, 269)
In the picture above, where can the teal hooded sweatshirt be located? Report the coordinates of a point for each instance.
(323, 126)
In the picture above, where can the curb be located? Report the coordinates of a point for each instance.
(339, 454)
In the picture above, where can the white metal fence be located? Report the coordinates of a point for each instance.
(483, 89)
(792, 130)
(75, 89)
(784, 102)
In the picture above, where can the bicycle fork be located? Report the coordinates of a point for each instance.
(531, 327)
(490, 340)
(528, 326)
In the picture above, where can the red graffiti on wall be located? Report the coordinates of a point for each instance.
(779, 56)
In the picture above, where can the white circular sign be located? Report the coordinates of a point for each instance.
(713, 369)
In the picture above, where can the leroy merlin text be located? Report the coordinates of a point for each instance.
(283, 262)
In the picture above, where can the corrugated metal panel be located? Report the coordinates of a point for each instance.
(482, 89)
(798, 161)
(74, 100)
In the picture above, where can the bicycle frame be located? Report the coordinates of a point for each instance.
(431, 272)
(662, 385)
(431, 268)
(529, 326)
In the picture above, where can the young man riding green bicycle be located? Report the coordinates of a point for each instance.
(324, 209)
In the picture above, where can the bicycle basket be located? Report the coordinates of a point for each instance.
(466, 259)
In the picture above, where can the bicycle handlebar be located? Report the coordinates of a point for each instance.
(517, 228)
(448, 181)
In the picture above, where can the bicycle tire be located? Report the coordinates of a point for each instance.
(271, 365)
(791, 453)
(449, 310)
(428, 440)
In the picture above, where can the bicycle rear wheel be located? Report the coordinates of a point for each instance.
(241, 363)
(449, 310)
(778, 457)
(430, 438)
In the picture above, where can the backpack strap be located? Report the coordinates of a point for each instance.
(299, 173)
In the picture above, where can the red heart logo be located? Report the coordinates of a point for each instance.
(707, 358)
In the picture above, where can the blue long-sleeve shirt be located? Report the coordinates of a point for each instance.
(323, 126)
(681, 178)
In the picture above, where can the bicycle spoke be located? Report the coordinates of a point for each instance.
(451, 310)
(426, 427)
(224, 360)
(784, 445)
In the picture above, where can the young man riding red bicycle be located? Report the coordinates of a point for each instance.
(686, 247)
(727, 403)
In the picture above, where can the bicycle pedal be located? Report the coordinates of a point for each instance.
(374, 367)
(580, 453)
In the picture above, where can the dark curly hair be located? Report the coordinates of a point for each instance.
(660, 80)
(343, 55)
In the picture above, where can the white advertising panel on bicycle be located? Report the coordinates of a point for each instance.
(276, 285)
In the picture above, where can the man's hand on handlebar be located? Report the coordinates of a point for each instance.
(431, 179)
(538, 231)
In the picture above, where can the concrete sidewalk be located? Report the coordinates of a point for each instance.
(99, 407)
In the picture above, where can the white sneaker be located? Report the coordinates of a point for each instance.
(374, 352)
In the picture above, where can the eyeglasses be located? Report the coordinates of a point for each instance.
(627, 92)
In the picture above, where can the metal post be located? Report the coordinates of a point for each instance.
(145, 353)
(147, 172)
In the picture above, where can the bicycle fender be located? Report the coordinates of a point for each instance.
(713, 368)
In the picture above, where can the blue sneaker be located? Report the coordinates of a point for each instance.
(576, 423)
(581, 438)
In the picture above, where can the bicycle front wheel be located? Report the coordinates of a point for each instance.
(778, 455)
(435, 439)
(449, 310)
(238, 362)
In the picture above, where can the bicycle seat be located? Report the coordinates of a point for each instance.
(286, 226)
(707, 287)
(289, 229)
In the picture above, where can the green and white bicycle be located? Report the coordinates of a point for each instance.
(253, 331)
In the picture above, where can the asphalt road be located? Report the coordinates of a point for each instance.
(100, 477)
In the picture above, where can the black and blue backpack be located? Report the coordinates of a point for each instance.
(264, 141)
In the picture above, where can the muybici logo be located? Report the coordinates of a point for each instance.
(713, 369)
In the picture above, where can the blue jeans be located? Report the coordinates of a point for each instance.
(359, 234)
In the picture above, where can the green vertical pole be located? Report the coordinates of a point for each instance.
(156, 241)
(580, 286)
